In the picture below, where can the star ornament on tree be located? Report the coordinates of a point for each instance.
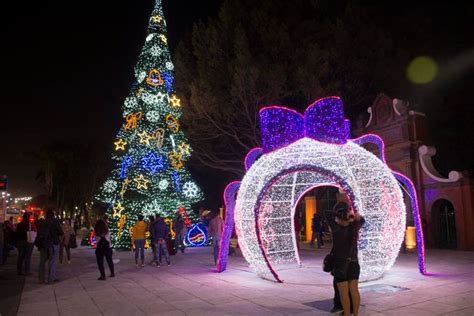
(152, 163)
(117, 210)
(120, 144)
(184, 149)
(145, 138)
(176, 160)
(175, 101)
(156, 19)
(141, 182)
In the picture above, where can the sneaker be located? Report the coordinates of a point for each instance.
(169, 263)
(136, 265)
(102, 278)
(336, 309)
(143, 265)
(112, 275)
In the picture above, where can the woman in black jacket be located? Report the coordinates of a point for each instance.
(345, 231)
(103, 249)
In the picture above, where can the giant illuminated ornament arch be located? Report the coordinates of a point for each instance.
(299, 153)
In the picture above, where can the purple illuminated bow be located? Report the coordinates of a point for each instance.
(323, 121)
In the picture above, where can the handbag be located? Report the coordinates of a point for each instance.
(328, 263)
(30, 235)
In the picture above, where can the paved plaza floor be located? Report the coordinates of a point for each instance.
(190, 286)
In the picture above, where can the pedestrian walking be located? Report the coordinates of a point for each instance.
(24, 243)
(65, 241)
(151, 219)
(317, 230)
(103, 248)
(216, 226)
(47, 241)
(180, 229)
(138, 236)
(161, 233)
(345, 229)
(7, 240)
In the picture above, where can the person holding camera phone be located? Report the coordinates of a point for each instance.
(345, 230)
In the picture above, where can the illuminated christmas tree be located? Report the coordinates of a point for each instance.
(150, 149)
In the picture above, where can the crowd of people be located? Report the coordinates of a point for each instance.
(157, 231)
(51, 237)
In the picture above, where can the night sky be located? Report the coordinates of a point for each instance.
(66, 66)
(66, 69)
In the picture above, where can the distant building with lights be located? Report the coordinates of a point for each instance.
(446, 203)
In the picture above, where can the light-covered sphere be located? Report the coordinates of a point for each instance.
(163, 184)
(272, 187)
(169, 65)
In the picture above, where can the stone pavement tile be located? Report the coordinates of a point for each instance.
(177, 296)
(244, 308)
(126, 308)
(247, 293)
(435, 307)
(386, 303)
(185, 303)
(457, 288)
(281, 305)
(157, 307)
(222, 299)
(463, 312)
(460, 300)
(38, 312)
(85, 309)
(38, 296)
(406, 311)
(301, 296)
(48, 306)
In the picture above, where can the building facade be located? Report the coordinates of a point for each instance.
(446, 203)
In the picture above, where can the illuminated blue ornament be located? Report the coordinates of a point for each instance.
(126, 163)
(176, 181)
(168, 78)
(196, 236)
(153, 163)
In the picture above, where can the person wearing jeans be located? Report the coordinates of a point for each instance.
(151, 218)
(216, 226)
(25, 248)
(139, 235)
(54, 232)
(161, 231)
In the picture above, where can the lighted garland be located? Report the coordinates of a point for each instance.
(300, 152)
(150, 150)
